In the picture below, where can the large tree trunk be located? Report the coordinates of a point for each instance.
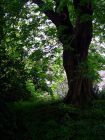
(80, 86)
(76, 40)
(75, 64)
(75, 54)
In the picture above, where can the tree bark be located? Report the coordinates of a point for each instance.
(80, 86)
(76, 68)
(76, 43)
(74, 61)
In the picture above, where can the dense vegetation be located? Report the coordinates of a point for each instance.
(51, 52)
(53, 120)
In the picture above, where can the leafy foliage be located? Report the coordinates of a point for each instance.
(30, 50)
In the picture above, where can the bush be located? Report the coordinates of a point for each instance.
(102, 93)
(15, 93)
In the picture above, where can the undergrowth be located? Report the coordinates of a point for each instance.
(52, 120)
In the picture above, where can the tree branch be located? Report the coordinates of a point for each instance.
(57, 18)
(61, 18)
(64, 15)
(53, 16)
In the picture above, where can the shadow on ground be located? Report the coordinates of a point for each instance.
(52, 121)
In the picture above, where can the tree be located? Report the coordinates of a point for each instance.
(12, 72)
(75, 37)
(20, 65)
(73, 21)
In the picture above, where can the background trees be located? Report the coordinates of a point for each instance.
(30, 52)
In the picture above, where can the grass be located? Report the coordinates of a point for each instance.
(52, 120)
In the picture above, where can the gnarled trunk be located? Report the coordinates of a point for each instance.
(74, 62)
(80, 86)
(76, 40)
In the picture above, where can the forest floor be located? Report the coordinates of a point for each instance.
(52, 121)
